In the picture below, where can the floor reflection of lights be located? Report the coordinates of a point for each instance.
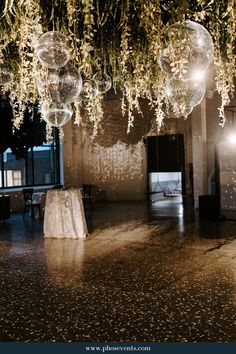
(145, 273)
(63, 256)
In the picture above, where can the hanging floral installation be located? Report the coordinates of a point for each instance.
(67, 54)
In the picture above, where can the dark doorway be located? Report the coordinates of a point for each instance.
(166, 166)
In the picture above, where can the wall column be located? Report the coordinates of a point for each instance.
(72, 156)
(199, 151)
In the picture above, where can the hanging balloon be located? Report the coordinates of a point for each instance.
(60, 86)
(56, 116)
(185, 111)
(6, 74)
(103, 82)
(89, 90)
(52, 49)
(183, 95)
(181, 111)
(189, 50)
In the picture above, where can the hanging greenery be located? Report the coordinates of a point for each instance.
(123, 39)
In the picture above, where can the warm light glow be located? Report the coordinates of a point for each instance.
(136, 61)
(198, 75)
(232, 138)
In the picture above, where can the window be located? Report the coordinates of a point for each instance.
(12, 177)
(40, 166)
(25, 158)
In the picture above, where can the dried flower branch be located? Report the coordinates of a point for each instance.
(120, 37)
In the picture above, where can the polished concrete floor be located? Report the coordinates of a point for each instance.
(147, 272)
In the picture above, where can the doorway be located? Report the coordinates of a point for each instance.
(166, 168)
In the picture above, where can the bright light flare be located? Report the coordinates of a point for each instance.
(232, 138)
(198, 75)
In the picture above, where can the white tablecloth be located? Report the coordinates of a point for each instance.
(64, 214)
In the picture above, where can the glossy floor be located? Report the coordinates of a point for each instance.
(145, 273)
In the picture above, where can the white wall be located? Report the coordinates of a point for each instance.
(117, 172)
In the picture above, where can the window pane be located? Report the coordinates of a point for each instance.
(45, 164)
(1, 170)
(14, 170)
(29, 177)
(39, 166)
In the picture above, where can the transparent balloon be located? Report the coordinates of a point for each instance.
(185, 94)
(182, 111)
(60, 86)
(6, 74)
(52, 49)
(189, 49)
(185, 111)
(103, 81)
(56, 116)
(89, 90)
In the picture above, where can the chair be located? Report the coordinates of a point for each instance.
(29, 203)
(87, 195)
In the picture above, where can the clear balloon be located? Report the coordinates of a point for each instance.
(6, 74)
(103, 81)
(89, 90)
(186, 111)
(52, 49)
(182, 111)
(56, 116)
(183, 95)
(189, 50)
(60, 86)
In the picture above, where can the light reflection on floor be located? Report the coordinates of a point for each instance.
(147, 272)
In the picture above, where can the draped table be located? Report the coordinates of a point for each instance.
(64, 214)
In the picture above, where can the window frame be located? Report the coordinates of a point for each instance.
(56, 166)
